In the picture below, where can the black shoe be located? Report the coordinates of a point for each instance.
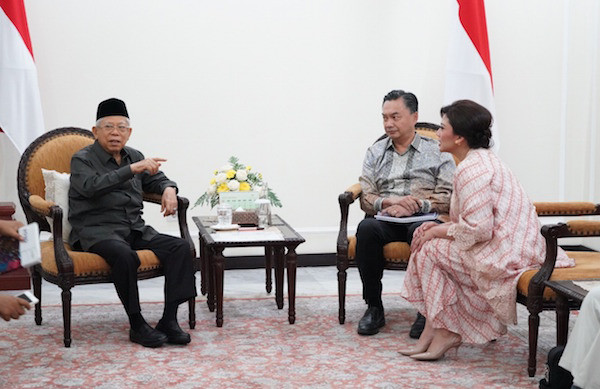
(417, 327)
(372, 321)
(147, 336)
(173, 332)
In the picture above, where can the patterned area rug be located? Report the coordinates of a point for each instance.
(256, 348)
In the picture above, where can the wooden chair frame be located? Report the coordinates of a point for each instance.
(66, 277)
(534, 301)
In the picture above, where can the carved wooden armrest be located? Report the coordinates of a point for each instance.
(40, 205)
(152, 197)
(182, 207)
(49, 209)
(355, 190)
(571, 208)
(551, 233)
(345, 199)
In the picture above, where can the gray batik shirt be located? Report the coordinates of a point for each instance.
(421, 171)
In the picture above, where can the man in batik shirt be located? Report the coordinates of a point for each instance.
(403, 175)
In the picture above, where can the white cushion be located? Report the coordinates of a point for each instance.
(57, 191)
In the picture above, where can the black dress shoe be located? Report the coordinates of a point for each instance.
(372, 321)
(147, 336)
(173, 332)
(417, 327)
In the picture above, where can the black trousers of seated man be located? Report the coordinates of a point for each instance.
(174, 255)
(371, 236)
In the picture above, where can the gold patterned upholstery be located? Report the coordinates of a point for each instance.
(89, 264)
(572, 208)
(60, 264)
(54, 155)
(393, 252)
(586, 267)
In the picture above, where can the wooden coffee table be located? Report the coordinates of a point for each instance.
(212, 259)
(568, 296)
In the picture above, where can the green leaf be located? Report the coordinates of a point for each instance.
(273, 198)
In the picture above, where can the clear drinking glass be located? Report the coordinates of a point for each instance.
(224, 214)
(263, 211)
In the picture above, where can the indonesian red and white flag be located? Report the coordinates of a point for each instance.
(20, 105)
(468, 66)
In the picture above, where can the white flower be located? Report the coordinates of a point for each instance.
(212, 189)
(225, 167)
(221, 178)
(233, 185)
(241, 175)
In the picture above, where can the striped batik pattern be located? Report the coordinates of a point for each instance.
(467, 284)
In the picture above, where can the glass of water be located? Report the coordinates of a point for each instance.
(224, 214)
(263, 212)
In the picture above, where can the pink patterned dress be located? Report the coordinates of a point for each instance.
(468, 284)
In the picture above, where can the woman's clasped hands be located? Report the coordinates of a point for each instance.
(426, 232)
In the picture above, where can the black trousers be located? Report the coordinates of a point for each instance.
(371, 236)
(174, 255)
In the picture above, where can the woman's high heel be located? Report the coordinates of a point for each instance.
(435, 355)
(415, 350)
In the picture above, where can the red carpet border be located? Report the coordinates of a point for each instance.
(256, 348)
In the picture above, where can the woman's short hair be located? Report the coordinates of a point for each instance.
(471, 121)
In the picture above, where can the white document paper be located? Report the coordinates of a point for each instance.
(29, 249)
(270, 234)
(408, 219)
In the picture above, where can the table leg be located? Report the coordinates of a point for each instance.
(218, 285)
(268, 266)
(210, 279)
(562, 319)
(279, 259)
(203, 268)
(290, 260)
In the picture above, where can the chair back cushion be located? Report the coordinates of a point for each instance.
(52, 151)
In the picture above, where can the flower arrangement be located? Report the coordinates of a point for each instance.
(235, 177)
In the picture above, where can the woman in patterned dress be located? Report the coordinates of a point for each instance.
(462, 275)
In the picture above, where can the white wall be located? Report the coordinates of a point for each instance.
(294, 88)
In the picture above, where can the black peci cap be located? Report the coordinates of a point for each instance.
(111, 107)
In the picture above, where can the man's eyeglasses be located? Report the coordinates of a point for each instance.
(110, 127)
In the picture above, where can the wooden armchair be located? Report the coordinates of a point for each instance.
(396, 254)
(531, 290)
(60, 264)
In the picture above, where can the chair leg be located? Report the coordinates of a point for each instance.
(37, 292)
(534, 324)
(66, 305)
(342, 265)
(192, 312)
